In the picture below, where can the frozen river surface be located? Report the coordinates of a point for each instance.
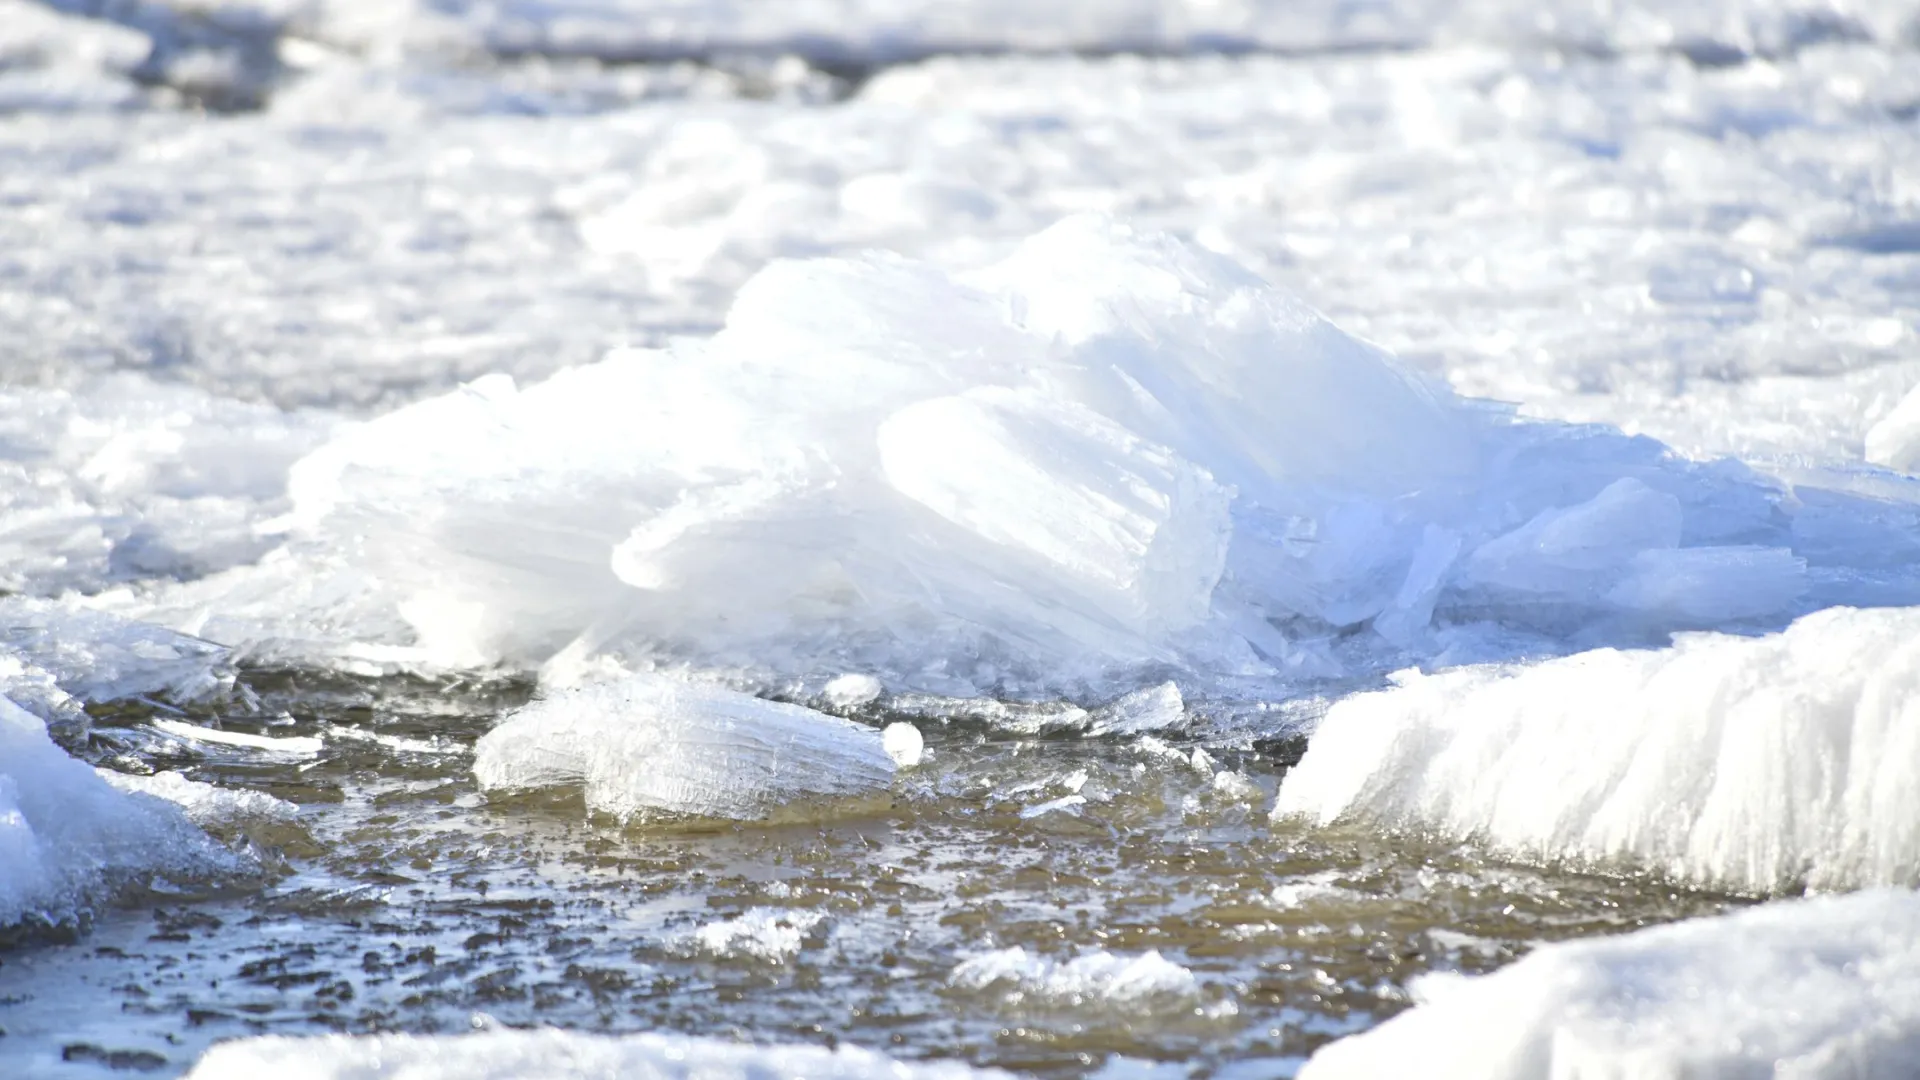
(854, 538)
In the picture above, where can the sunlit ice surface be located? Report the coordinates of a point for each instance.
(376, 373)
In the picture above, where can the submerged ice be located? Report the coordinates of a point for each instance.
(1106, 455)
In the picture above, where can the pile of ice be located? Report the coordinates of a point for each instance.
(1106, 454)
(649, 746)
(69, 840)
(1760, 764)
(1825, 988)
(510, 1055)
(1146, 982)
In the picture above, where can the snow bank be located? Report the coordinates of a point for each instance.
(1753, 763)
(508, 1055)
(1813, 989)
(69, 840)
(647, 745)
(1105, 452)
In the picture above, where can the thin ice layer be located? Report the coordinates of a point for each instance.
(509, 1055)
(649, 746)
(1796, 990)
(1760, 764)
(69, 840)
(1104, 452)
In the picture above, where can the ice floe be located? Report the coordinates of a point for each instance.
(1811, 989)
(500, 1055)
(1755, 763)
(69, 841)
(650, 746)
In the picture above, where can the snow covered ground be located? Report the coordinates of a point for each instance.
(1249, 349)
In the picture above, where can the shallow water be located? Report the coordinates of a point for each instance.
(407, 901)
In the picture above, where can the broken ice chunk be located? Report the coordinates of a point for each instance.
(649, 745)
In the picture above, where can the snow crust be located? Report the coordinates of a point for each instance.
(1762, 764)
(1106, 451)
(500, 1055)
(1807, 989)
(69, 840)
(647, 746)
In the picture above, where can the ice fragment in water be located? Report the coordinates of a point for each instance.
(1147, 981)
(68, 839)
(1810, 989)
(1765, 763)
(773, 935)
(648, 745)
(903, 744)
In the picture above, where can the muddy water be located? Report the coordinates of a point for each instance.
(405, 901)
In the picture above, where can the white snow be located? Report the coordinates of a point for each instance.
(508, 1055)
(1807, 989)
(69, 841)
(1145, 982)
(1759, 764)
(648, 745)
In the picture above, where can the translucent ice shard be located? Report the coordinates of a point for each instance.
(1762, 764)
(1810, 989)
(650, 746)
